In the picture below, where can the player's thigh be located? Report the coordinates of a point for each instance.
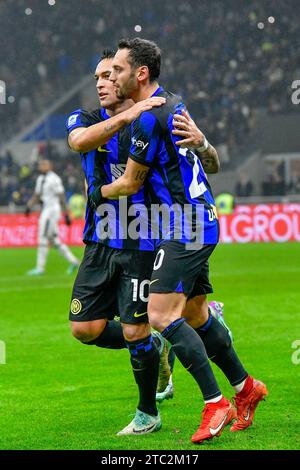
(177, 269)
(93, 295)
(133, 286)
(164, 308)
(136, 331)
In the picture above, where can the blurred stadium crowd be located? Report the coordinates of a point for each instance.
(227, 59)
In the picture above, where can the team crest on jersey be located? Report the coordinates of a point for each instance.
(76, 306)
(72, 119)
(117, 170)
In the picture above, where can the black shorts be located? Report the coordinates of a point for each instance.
(112, 282)
(177, 269)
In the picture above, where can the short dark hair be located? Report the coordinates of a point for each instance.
(143, 52)
(107, 54)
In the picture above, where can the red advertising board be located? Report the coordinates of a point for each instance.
(17, 230)
(248, 223)
(261, 223)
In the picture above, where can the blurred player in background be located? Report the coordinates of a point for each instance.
(50, 192)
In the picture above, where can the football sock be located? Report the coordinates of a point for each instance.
(171, 358)
(42, 256)
(245, 387)
(238, 388)
(111, 337)
(144, 358)
(219, 349)
(192, 355)
(214, 400)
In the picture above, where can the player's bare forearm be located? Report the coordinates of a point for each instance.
(120, 187)
(85, 139)
(209, 160)
(124, 186)
(127, 184)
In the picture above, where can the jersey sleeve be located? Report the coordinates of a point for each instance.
(145, 137)
(80, 118)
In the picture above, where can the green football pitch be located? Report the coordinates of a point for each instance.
(56, 393)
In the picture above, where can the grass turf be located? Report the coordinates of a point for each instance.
(59, 394)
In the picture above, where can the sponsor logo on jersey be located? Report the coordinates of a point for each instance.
(139, 143)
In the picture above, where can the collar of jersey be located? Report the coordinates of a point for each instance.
(104, 114)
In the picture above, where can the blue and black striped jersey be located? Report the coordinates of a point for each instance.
(110, 224)
(176, 177)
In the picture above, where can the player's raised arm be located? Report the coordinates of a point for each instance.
(85, 139)
(193, 138)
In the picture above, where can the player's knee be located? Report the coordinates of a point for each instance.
(158, 319)
(87, 331)
(136, 332)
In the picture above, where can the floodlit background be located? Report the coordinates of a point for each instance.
(237, 66)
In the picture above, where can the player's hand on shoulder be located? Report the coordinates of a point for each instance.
(184, 126)
(145, 105)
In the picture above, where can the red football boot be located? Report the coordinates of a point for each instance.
(215, 416)
(246, 402)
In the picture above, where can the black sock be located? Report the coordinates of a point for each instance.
(219, 349)
(144, 358)
(111, 337)
(192, 355)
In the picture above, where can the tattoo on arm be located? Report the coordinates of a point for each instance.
(141, 175)
(109, 127)
(210, 160)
